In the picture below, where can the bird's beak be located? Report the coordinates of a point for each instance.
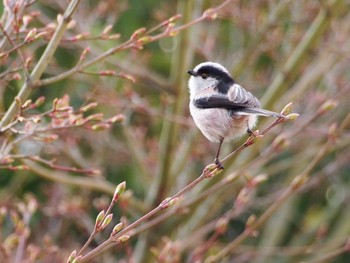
(192, 73)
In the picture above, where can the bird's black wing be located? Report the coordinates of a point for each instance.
(217, 101)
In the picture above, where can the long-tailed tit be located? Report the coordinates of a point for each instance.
(221, 108)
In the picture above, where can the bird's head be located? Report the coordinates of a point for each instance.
(206, 75)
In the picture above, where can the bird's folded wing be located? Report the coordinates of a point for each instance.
(247, 107)
(237, 94)
(216, 101)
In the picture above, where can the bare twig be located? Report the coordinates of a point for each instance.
(208, 172)
(295, 185)
(42, 63)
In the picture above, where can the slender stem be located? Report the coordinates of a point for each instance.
(15, 47)
(170, 129)
(279, 8)
(293, 63)
(41, 65)
(128, 44)
(207, 173)
(97, 228)
(330, 256)
(144, 218)
(80, 67)
(61, 177)
(250, 139)
(87, 243)
(271, 210)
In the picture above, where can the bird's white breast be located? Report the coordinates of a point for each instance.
(219, 124)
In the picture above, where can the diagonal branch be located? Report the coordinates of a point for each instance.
(209, 171)
(42, 63)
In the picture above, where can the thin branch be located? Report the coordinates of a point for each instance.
(210, 171)
(294, 61)
(42, 63)
(61, 177)
(124, 46)
(17, 49)
(295, 185)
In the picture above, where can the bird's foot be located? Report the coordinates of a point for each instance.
(251, 133)
(219, 165)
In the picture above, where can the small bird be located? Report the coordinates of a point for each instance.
(221, 108)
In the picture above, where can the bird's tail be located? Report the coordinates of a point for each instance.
(260, 112)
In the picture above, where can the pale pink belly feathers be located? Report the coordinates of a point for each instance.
(219, 124)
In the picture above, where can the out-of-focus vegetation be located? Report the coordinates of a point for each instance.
(110, 104)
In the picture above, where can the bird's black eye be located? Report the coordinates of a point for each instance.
(204, 76)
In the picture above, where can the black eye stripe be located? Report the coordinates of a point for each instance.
(209, 71)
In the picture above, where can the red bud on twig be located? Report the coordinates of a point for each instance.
(127, 77)
(107, 73)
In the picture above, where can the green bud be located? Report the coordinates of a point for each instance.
(100, 126)
(138, 33)
(99, 218)
(72, 256)
(123, 239)
(77, 259)
(107, 30)
(174, 18)
(88, 107)
(119, 190)
(117, 118)
(144, 40)
(328, 105)
(26, 104)
(117, 228)
(250, 221)
(287, 109)
(298, 181)
(292, 116)
(95, 117)
(107, 220)
(39, 101)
